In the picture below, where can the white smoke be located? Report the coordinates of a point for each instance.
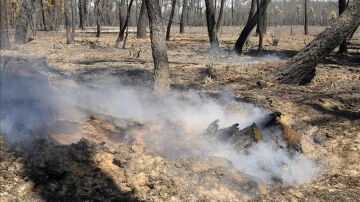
(30, 102)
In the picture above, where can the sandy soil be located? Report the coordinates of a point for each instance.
(326, 112)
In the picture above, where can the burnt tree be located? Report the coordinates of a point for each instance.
(142, 21)
(250, 24)
(211, 24)
(301, 68)
(68, 21)
(171, 18)
(97, 11)
(123, 25)
(43, 14)
(83, 5)
(260, 32)
(306, 25)
(4, 25)
(183, 17)
(221, 14)
(343, 45)
(23, 21)
(158, 47)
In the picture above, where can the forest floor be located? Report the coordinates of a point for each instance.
(325, 113)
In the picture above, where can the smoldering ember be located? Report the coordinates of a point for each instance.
(179, 100)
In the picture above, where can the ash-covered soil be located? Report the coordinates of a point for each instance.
(104, 167)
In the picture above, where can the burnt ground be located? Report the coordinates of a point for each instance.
(326, 113)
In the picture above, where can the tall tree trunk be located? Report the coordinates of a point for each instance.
(98, 16)
(306, 25)
(82, 13)
(120, 37)
(221, 14)
(259, 28)
(67, 14)
(211, 23)
(73, 11)
(158, 46)
(250, 24)
(43, 14)
(183, 17)
(252, 9)
(23, 21)
(301, 68)
(4, 25)
(142, 21)
(171, 18)
(343, 45)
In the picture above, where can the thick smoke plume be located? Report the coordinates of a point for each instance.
(30, 102)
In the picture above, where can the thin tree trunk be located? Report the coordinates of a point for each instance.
(4, 25)
(211, 23)
(158, 46)
(82, 13)
(67, 14)
(251, 23)
(120, 37)
(171, 18)
(301, 68)
(259, 28)
(306, 25)
(43, 14)
(142, 22)
(343, 45)
(98, 16)
(183, 17)
(221, 14)
(72, 20)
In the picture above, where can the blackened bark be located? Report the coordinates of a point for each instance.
(221, 14)
(82, 13)
(343, 45)
(183, 20)
(301, 68)
(4, 25)
(123, 27)
(171, 18)
(211, 24)
(158, 46)
(43, 14)
(306, 25)
(142, 21)
(250, 24)
(98, 16)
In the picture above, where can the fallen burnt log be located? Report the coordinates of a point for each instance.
(242, 139)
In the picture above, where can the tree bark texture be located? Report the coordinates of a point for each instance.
(306, 25)
(68, 22)
(4, 25)
(221, 14)
(142, 21)
(158, 46)
(183, 19)
(211, 24)
(23, 21)
(301, 68)
(171, 18)
(343, 45)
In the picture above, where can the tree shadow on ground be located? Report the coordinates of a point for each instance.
(350, 115)
(70, 173)
(282, 54)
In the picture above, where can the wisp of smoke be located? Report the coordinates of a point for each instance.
(30, 102)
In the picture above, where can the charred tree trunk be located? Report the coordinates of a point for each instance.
(251, 23)
(142, 22)
(123, 27)
(4, 25)
(171, 18)
(183, 17)
(306, 25)
(82, 13)
(259, 28)
(67, 14)
(262, 23)
(221, 14)
(301, 68)
(343, 45)
(158, 46)
(23, 21)
(211, 24)
(43, 14)
(252, 9)
(98, 17)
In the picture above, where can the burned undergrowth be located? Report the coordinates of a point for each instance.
(140, 146)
